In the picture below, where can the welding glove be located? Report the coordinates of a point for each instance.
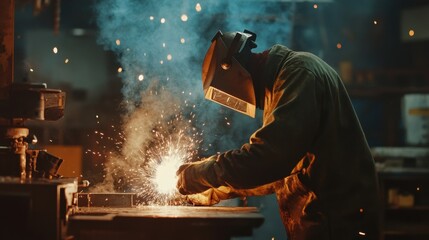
(197, 177)
(213, 196)
(210, 197)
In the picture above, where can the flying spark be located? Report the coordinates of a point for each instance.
(198, 7)
(165, 174)
(144, 154)
(163, 160)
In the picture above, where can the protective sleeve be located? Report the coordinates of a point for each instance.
(291, 122)
(289, 130)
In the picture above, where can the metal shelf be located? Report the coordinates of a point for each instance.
(400, 152)
(407, 229)
(396, 172)
(384, 91)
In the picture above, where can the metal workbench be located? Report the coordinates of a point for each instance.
(164, 222)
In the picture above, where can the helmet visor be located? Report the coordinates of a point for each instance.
(232, 87)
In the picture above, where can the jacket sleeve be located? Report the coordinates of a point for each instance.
(291, 123)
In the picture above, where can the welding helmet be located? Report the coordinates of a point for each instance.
(225, 78)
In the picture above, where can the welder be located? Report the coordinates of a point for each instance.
(310, 151)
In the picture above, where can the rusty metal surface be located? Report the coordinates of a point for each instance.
(164, 222)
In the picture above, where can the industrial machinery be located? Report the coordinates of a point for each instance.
(36, 200)
(22, 102)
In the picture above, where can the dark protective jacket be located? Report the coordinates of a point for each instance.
(310, 151)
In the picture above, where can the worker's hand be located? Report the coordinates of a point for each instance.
(196, 177)
(210, 197)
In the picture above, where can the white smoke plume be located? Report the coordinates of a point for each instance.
(160, 46)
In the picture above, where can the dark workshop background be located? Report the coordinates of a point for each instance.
(379, 47)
